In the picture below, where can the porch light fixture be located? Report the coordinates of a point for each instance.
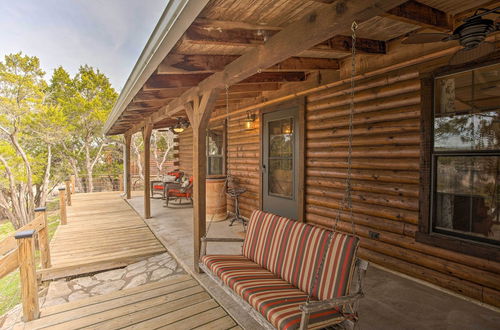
(181, 125)
(249, 121)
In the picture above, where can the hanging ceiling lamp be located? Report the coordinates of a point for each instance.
(181, 125)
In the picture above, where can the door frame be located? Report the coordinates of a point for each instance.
(300, 104)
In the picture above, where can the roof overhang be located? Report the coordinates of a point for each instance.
(176, 18)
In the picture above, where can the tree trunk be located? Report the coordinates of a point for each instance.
(88, 167)
(46, 178)
(29, 201)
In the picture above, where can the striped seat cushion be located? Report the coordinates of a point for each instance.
(277, 300)
(294, 250)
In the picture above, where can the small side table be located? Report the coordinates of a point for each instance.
(235, 194)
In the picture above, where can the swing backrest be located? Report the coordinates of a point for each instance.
(294, 250)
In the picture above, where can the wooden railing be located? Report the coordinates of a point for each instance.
(18, 251)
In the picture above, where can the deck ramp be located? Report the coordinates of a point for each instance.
(177, 303)
(103, 232)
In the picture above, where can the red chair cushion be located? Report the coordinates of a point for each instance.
(158, 187)
(277, 300)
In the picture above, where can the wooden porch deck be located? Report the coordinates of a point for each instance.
(103, 232)
(177, 303)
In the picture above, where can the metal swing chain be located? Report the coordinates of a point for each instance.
(347, 199)
(223, 190)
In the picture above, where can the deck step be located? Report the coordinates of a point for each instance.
(176, 303)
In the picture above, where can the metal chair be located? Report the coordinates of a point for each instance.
(177, 192)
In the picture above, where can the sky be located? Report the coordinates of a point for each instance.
(106, 34)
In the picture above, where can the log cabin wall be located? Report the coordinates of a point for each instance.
(243, 163)
(186, 151)
(386, 151)
(385, 167)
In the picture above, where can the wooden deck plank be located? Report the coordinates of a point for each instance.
(177, 303)
(103, 231)
(225, 322)
(114, 295)
(176, 315)
(195, 322)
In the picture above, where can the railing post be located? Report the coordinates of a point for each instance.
(27, 271)
(43, 238)
(68, 192)
(62, 205)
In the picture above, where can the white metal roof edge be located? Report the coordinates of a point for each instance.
(176, 18)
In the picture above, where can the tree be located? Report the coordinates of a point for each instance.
(87, 99)
(26, 125)
(162, 146)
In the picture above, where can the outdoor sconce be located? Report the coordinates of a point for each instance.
(249, 121)
(181, 125)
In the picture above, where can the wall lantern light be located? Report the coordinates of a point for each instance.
(249, 121)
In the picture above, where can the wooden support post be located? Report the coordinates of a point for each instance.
(43, 238)
(128, 184)
(146, 135)
(68, 192)
(199, 113)
(120, 182)
(27, 270)
(62, 205)
(72, 178)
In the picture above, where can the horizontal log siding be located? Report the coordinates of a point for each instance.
(385, 178)
(385, 172)
(243, 157)
(186, 151)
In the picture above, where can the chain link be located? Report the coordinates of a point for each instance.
(347, 199)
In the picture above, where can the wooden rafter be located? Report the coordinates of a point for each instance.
(420, 14)
(190, 80)
(310, 30)
(198, 34)
(179, 64)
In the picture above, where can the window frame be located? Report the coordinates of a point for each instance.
(223, 127)
(425, 233)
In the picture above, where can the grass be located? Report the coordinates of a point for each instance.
(10, 293)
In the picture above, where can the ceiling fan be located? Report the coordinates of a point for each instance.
(471, 35)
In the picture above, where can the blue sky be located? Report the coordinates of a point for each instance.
(106, 34)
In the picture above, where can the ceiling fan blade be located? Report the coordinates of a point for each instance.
(423, 38)
(467, 55)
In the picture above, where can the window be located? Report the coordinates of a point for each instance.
(216, 151)
(465, 155)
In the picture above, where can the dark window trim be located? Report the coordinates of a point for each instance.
(213, 126)
(424, 233)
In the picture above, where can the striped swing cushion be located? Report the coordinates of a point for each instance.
(294, 250)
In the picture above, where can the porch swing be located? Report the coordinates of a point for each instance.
(293, 275)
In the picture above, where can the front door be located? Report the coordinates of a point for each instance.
(280, 162)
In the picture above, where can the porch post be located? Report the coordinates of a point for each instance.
(199, 113)
(146, 135)
(128, 182)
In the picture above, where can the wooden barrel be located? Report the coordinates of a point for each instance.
(216, 199)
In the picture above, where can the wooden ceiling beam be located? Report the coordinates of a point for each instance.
(312, 29)
(420, 14)
(197, 34)
(179, 64)
(158, 94)
(185, 80)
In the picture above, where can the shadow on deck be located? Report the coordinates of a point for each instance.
(103, 232)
